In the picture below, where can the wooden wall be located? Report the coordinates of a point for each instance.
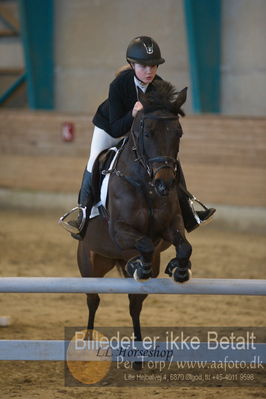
(224, 158)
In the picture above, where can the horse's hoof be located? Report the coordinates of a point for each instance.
(172, 265)
(140, 276)
(134, 268)
(132, 265)
(130, 269)
(182, 275)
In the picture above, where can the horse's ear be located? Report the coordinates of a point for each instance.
(181, 98)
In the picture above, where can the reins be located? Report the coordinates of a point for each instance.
(139, 150)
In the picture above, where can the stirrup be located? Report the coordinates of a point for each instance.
(191, 204)
(69, 223)
(191, 201)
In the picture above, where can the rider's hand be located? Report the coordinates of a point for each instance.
(137, 107)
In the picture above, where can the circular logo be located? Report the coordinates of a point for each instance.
(89, 356)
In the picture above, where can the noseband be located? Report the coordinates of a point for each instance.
(139, 150)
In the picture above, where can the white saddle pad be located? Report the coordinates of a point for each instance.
(104, 188)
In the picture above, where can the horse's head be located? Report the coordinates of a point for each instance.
(156, 134)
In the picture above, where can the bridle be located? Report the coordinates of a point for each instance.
(139, 150)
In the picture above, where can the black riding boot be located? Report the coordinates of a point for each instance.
(85, 192)
(77, 226)
(85, 202)
(192, 219)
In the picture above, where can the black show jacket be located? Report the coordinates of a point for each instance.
(114, 115)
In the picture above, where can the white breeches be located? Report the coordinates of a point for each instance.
(100, 141)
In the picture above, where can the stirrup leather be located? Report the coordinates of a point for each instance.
(70, 220)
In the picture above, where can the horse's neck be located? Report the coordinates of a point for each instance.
(130, 162)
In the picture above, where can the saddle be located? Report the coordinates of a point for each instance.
(104, 165)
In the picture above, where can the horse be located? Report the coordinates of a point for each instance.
(144, 216)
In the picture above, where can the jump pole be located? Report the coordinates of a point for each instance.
(44, 350)
(196, 286)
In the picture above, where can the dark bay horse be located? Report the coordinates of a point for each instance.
(143, 206)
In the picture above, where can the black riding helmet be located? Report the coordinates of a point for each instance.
(144, 50)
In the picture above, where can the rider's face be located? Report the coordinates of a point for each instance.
(145, 73)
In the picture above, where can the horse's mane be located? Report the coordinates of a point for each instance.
(162, 97)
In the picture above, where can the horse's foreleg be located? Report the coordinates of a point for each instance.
(179, 267)
(127, 238)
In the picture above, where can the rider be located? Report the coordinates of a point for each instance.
(113, 120)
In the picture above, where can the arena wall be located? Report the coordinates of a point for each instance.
(224, 158)
(91, 39)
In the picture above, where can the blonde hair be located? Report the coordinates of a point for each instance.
(122, 69)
